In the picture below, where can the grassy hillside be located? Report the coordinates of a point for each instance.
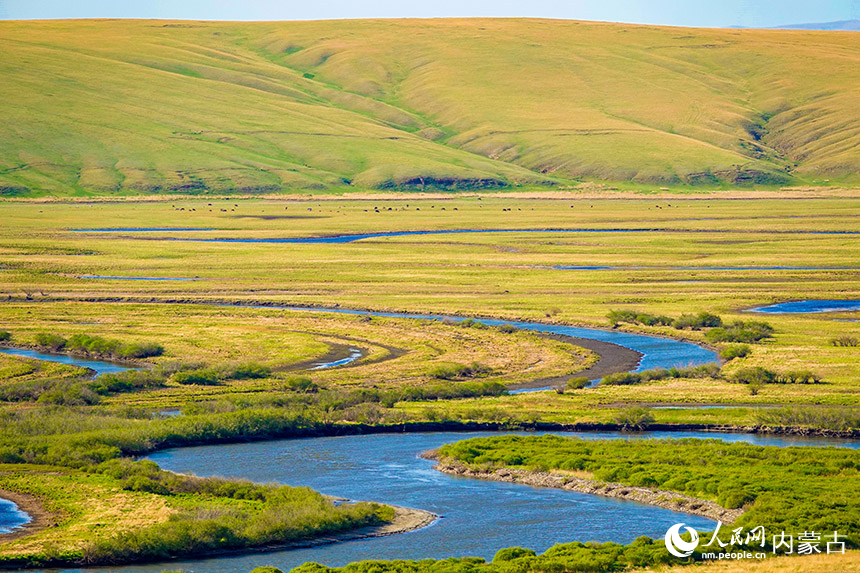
(95, 107)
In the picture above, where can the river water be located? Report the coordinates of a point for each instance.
(11, 517)
(478, 517)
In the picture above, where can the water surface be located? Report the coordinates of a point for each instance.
(350, 238)
(11, 518)
(810, 306)
(97, 366)
(478, 517)
(354, 354)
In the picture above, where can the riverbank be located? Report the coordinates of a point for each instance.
(40, 518)
(611, 359)
(660, 498)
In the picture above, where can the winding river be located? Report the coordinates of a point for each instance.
(657, 352)
(478, 517)
(96, 366)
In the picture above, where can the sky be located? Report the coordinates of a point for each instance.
(706, 13)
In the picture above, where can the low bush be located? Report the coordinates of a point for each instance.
(754, 375)
(201, 376)
(802, 376)
(745, 332)
(454, 371)
(636, 418)
(127, 381)
(472, 323)
(697, 321)
(617, 316)
(51, 341)
(733, 351)
(507, 328)
(248, 371)
(5, 336)
(578, 383)
(838, 419)
(759, 376)
(511, 553)
(302, 384)
(845, 341)
(69, 394)
(710, 370)
(88, 344)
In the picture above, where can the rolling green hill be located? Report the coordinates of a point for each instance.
(119, 106)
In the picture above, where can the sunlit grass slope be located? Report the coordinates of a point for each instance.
(154, 106)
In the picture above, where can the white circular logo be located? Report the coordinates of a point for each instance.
(677, 546)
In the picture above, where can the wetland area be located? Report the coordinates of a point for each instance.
(332, 357)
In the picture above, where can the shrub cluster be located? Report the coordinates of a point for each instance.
(5, 336)
(632, 317)
(455, 371)
(845, 341)
(98, 346)
(838, 419)
(187, 374)
(732, 351)
(759, 375)
(738, 331)
(631, 378)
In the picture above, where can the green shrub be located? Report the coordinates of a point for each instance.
(578, 383)
(803, 376)
(472, 323)
(454, 371)
(511, 553)
(51, 341)
(635, 417)
(69, 394)
(838, 419)
(733, 351)
(507, 328)
(127, 381)
(845, 341)
(5, 336)
(746, 332)
(248, 371)
(201, 376)
(629, 378)
(617, 316)
(145, 484)
(754, 375)
(697, 322)
(302, 384)
(622, 379)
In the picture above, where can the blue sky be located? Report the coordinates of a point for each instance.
(749, 13)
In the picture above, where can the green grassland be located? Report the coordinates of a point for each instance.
(138, 107)
(403, 377)
(505, 275)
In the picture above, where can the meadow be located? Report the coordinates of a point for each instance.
(129, 107)
(234, 368)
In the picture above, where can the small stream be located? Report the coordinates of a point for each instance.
(97, 366)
